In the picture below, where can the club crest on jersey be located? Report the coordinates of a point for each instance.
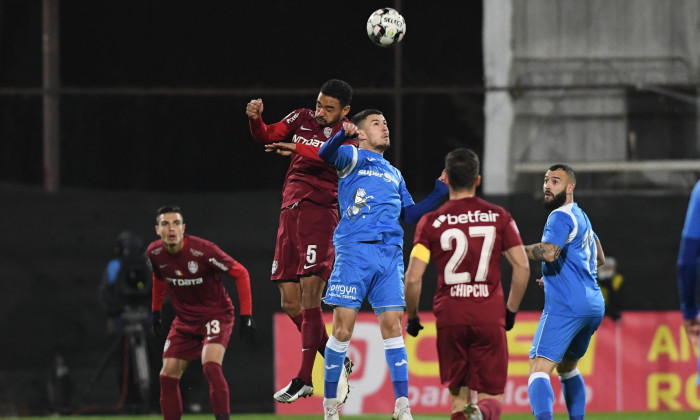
(360, 198)
(192, 266)
(327, 132)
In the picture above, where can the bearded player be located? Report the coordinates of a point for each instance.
(304, 252)
(466, 237)
(189, 269)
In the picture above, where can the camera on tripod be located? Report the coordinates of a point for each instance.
(126, 290)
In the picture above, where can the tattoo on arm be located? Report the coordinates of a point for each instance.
(543, 251)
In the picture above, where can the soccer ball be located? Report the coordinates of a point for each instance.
(386, 27)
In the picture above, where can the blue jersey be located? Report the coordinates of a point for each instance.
(691, 228)
(688, 255)
(570, 286)
(371, 195)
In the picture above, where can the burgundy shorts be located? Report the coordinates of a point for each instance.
(187, 339)
(475, 356)
(304, 242)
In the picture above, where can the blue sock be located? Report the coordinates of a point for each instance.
(397, 359)
(574, 394)
(334, 357)
(539, 389)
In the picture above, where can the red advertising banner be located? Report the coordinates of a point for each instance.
(642, 362)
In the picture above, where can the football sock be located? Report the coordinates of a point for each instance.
(491, 408)
(574, 394)
(297, 320)
(539, 389)
(335, 356)
(457, 416)
(218, 388)
(311, 327)
(170, 399)
(324, 340)
(397, 359)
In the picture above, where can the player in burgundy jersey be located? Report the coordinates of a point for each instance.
(466, 237)
(189, 269)
(304, 252)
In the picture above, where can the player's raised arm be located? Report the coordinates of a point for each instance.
(412, 213)
(262, 132)
(329, 149)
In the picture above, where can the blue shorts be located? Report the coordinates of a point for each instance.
(560, 337)
(371, 270)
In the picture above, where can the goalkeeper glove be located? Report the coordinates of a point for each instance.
(413, 326)
(510, 319)
(248, 330)
(157, 324)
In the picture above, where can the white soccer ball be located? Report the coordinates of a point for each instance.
(386, 27)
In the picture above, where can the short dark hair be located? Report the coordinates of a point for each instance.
(338, 89)
(462, 167)
(362, 115)
(168, 209)
(566, 168)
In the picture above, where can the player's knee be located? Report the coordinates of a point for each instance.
(342, 334)
(291, 308)
(213, 372)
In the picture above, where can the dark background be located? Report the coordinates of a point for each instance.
(127, 149)
(225, 53)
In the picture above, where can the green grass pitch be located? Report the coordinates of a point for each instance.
(658, 415)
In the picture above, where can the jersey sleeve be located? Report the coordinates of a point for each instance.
(158, 293)
(221, 261)
(281, 130)
(421, 241)
(346, 160)
(688, 254)
(511, 234)
(412, 212)
(308, 151)
(559, 226)
(406, 198)
(691, 227)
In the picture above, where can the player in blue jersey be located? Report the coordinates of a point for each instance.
(688, 268)
(368, 245)
(368, 249)
(570, 253)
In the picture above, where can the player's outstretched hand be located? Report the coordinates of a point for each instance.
(281, 148)
(413, 326)
(510, 319)
(254, 109)
(157, 324)
(249, 332)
